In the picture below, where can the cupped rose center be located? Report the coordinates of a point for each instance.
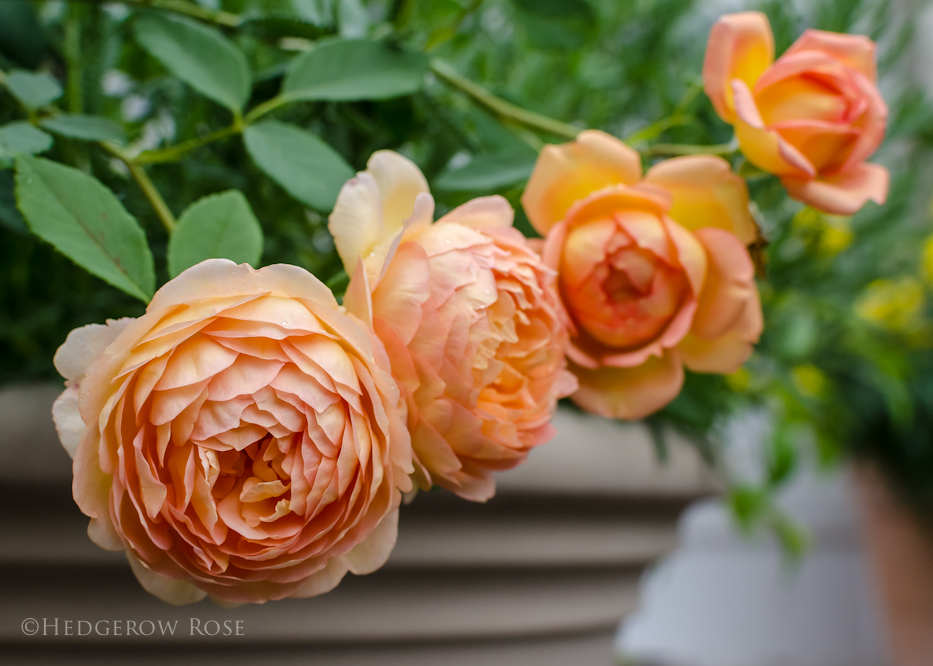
(627, 294)
(250, 431)
(631, 271)
(259, 473)
(817, 113)
(804, 97)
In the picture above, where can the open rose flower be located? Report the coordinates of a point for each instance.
(812, 117)
(469, 316)
(242, 439)
(653, 271)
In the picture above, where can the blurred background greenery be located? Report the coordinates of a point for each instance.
(846, 359)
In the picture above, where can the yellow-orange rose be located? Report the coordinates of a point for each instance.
(653, 271)
(812, 117)
(470, 318)
(242, 439)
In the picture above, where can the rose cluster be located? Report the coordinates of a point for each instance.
(249, 438)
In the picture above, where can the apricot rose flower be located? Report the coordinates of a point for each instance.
(243, 438)
(812, 117)
(469, 316)
(653, 271)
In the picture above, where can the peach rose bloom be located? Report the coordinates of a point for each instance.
(469, 316)
(242, 439)
(653, 271)
(811, 118)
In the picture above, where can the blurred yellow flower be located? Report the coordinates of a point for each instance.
(893, 304)
(739, 380)
(809, 380)
(927, 266)
(828, 234)
(837, 236)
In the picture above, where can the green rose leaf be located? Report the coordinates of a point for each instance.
(86, 128)
(200, 56)
(352, 18)
(557, 24)
(487, 173)
(10, 217)
(579, 10)
(33, 90)
(21, 138)
(795, 538)
(84, 221)
(21, 36)
(309, 169)
(319, 12)
(355, 69)
(276, 27)
(221, 226)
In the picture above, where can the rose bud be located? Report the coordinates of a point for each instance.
(812, 117)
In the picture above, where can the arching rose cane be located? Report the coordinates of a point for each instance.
(242, 439)
(470, 318)
(653, 270)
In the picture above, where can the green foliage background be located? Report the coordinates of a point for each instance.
(834, 381)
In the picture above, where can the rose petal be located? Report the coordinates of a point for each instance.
(153, 491)
(819, 91)
(90, 488)
(740, 46)
(169, 590)
(320, 582)
(630, 393)
(705, 193)
(371, 553)
(800, 70)
(493, 212)
(356, 222)
(764, 147)
(194, 361)
(84, 345)
(358, 298)
(855, 51)
(604, 204)
(826, 144)
(583, 249)
(690, 254)
(727, 353)
(404, 288)
(400, 182)
(570, 172)
(871, 124)
(68, 421)
(844, 193)
(421, 219)
(372, 207)
(287, 313)
(478, 487)
(729, 285)
(219, 278)
(246, 376)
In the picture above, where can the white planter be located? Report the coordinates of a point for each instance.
(539, 575)
(724, 599)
